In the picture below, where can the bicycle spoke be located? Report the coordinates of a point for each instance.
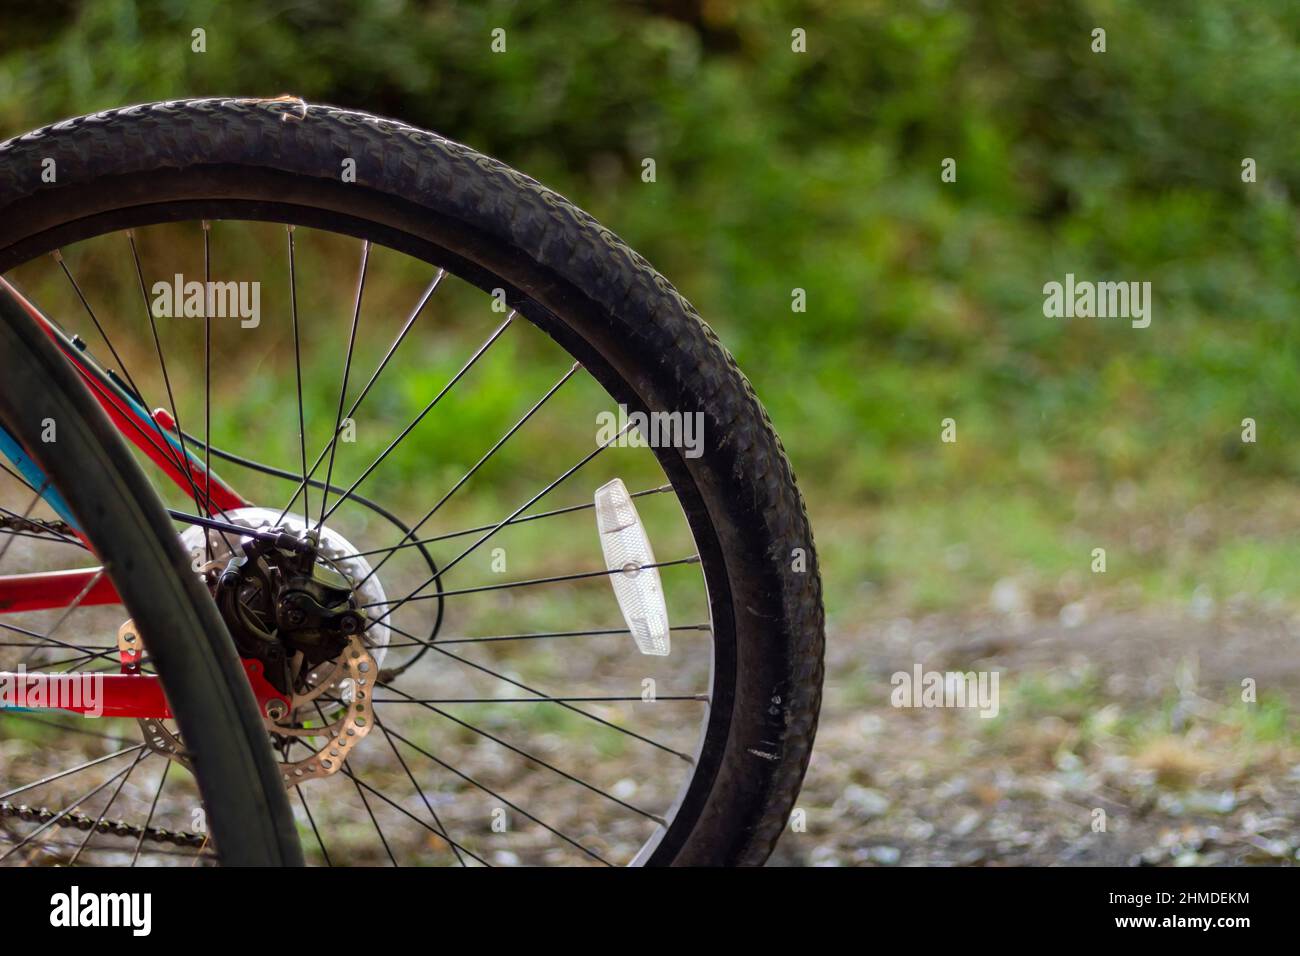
(366, 803)
(442, 830)
(360, 784)
(35, 635)
(207, 384)
(108, 806)
(297, 377)
(183, 462)
(532, 690)
(49, 640)
(311, 820)
(87, 656)
(579, 576)
(594, 632)
(67, 773)
(477, 465)
(161, 445)
(371, 813)
(76, 602)
(343, 388)
(538, 700)
(27, 644)
(482, 350)
(153, 808)
(16, 477)
(165, 447)
(439, 830)
(126, 374)
(307, 473)
(493, 794)
(535, 759)
(662, 489)
(518, 511)
(66, 728)
(52, 539)
(413, 641)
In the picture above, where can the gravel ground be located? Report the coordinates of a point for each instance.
(1135, 721)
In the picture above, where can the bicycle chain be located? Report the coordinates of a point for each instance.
(80, 821)
(36, 526)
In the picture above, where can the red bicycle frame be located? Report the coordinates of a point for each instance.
(130, 693)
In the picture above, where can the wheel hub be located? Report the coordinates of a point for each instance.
(306, 606)
(309, 615)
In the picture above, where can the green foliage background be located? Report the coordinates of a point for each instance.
(820, 171)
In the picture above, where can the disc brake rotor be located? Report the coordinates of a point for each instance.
(352, 677)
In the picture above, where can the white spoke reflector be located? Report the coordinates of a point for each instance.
(628, 553)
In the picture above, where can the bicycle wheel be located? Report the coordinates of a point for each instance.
(495, 763)
(63, 454)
